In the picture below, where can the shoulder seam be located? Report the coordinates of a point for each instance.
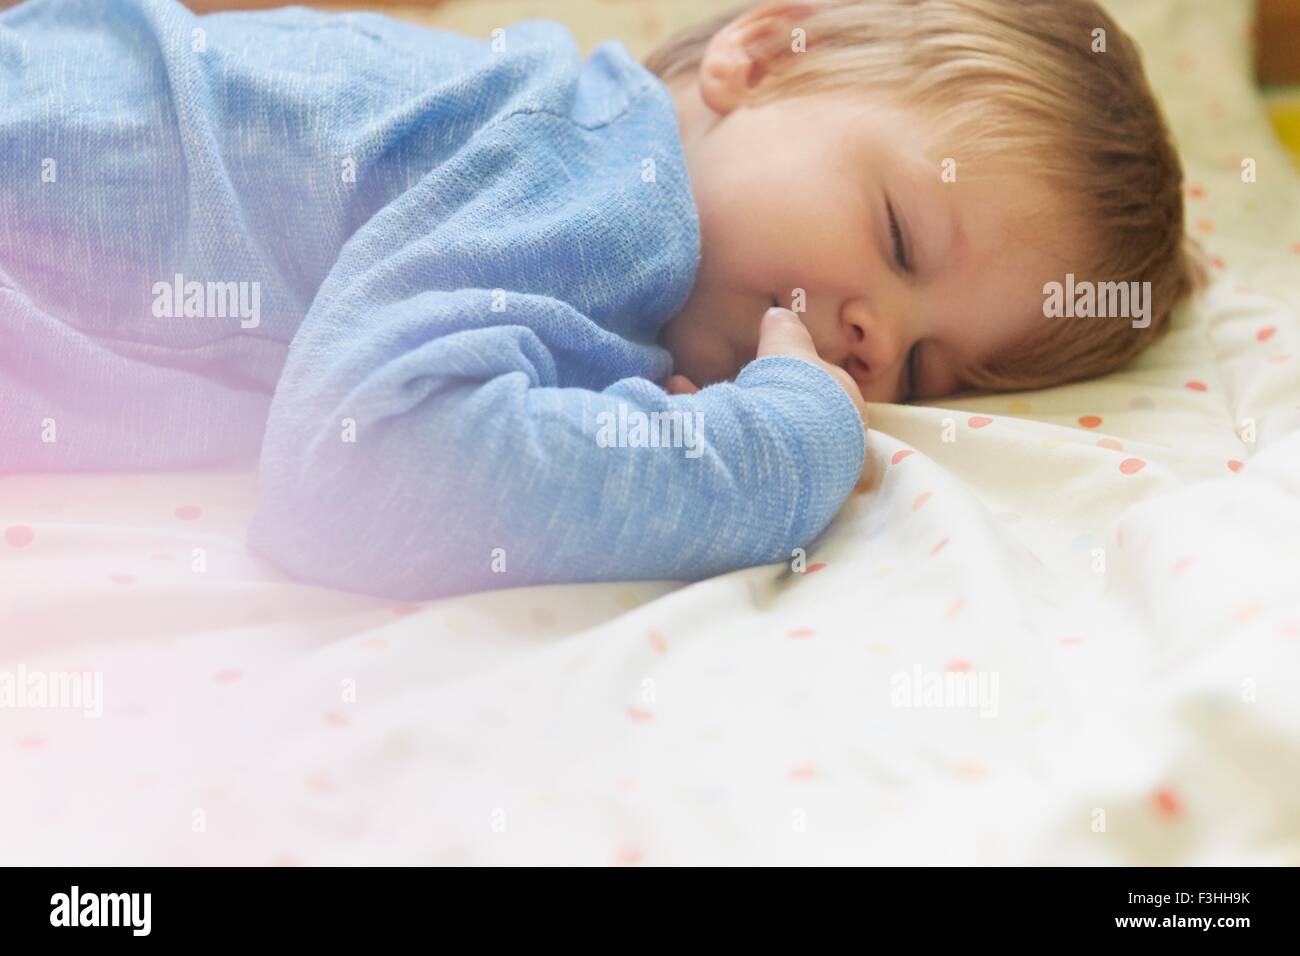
(632, 98)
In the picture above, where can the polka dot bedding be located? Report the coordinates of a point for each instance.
(1053, 627)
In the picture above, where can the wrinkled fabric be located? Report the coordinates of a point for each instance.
(422, 273)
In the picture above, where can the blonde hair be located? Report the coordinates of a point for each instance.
(1032, 90)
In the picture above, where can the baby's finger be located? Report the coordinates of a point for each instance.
(783, 333)
(680, 385)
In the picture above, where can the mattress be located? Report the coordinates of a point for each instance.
(1054, 627)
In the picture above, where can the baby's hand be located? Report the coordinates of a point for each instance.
(680, 385)
(782, 333)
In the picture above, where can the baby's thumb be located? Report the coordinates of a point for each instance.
(680, 385)
(782, 333)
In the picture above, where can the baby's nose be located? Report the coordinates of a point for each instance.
(868, 340)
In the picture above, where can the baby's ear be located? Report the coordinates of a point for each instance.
(1198, 265)
(743, 52)
(777, 30)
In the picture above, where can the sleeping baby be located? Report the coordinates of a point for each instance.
(494, 315)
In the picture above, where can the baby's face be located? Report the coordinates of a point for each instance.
(796, 194)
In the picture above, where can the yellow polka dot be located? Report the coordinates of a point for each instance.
(882, 571)
(400, 745)
(1019, 407)
(1039, 718)
(459, 624)
(627, 600)
(875, 647)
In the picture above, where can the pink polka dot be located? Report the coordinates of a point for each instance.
(920, 501)
(1279, 359)
(1196, 386)
(402, 610)
(958, 666)
(1110, 443)
(971, 770)
(375, 643)
(814, 568)
(900, 455)
(979, 421)
(1218, 262)
(1196, 191)
(1089, 421)
(1181, 565)
(319, 781)
(1071, 641)
(228, 676)
(121, 578)
(1289, 628)
(19, 536)
(336, 720)
(639, 715)
(1166, 802)
(189, 512)
(1131, 466)
(31, 743)
(1234, 465)
(801, 633)
(805, 771)
(657, 642)
(938, 547)
(1266, 333)
(954, 609)
(628, 856)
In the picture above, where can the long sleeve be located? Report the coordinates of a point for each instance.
(437, 427)
(423, 272)
(460, 464)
